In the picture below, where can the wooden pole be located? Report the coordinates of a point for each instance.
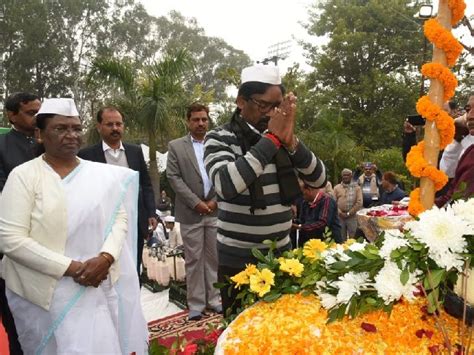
(435, 93)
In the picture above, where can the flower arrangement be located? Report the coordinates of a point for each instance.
(204, 346)
(356, 278)
(444, 40)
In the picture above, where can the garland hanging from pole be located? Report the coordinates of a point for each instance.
(416, 162)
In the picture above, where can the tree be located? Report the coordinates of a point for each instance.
(369, 67)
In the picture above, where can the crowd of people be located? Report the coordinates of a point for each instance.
(73, 221)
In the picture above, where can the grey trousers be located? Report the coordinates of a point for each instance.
(348, 227)
(200, 254)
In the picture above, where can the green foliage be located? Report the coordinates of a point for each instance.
(368, 68)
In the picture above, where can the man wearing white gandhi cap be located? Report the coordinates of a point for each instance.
(253, 162)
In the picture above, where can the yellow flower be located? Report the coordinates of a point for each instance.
(261, 282)
(349, 242)
(291, 266)
(240, 279)
(243, 277)
(313, 248)
(250, 269)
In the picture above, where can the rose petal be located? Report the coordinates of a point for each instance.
(368, 327)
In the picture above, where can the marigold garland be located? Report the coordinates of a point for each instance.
(444, 40)
(295, 324)
(457, 8)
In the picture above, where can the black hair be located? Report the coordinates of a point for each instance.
(14, 101)
(196, 107)
(42, 118)
(250, 88)
(453, 105)
(107, 108)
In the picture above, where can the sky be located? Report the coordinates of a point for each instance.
(255, 25)
(249, 25)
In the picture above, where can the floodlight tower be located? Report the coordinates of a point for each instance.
(278, 51)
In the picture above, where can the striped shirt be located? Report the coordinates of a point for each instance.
(231, 174)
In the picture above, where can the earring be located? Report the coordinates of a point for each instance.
(39, 140)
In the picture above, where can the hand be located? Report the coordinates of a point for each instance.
(408, 127)
(295, 226)
(212, 204)
(153, 222)
(282, 121)
(75, 269)
(95, 271)
(202, 208)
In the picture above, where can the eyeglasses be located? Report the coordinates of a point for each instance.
(264, 106)
(63, 130)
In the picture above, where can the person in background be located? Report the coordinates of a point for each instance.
(69, 267)
(349, 201)
(196, 210)
(369, 183)
(16, 147)
(317, 213)
(463, 138)
(164, 203)
(391, 191)
(251, 162)
(112, 150)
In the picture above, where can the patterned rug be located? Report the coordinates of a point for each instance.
(166, 330)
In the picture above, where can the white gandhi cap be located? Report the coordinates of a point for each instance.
(268, 74)
(59, 106)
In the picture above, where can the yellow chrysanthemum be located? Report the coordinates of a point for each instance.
(240, 279)
(291, 266)
(313, 248)
(250, 269)
(262, 281)
(243, 277)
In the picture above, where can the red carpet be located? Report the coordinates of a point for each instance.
(166, 330)
(3, 340)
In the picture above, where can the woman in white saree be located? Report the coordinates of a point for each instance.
(65, 231)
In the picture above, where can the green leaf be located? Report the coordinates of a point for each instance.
(370, 300)
(258, 255)
(272, 296)
(220, 285)
(434, 278)
(404, 276)
(292, 289)
(432, 300)
(339, 265)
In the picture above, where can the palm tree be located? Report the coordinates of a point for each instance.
(152, 96)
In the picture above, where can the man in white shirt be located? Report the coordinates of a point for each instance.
(112, 150)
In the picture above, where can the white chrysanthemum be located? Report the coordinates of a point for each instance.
(331, 255)
(327, 300)
(357, 246)
(394, 239)
(350, 284)
(442, 232)
(390, 288)
(465, 210)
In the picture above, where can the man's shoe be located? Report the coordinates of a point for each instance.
(194, 315)
(217, 309)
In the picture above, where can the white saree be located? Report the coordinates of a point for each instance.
(87, 320)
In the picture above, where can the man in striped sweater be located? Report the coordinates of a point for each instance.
(253, 162)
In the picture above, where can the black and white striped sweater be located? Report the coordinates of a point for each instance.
(231, 174)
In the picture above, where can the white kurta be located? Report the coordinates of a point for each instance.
(103, 320)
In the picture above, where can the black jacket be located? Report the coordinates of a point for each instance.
(15, 149)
